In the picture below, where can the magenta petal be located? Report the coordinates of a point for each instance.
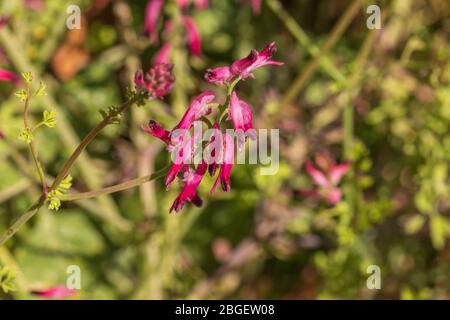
(338, 171)
(6, 75)
(198, 108)
(219, 75)
(318, 177)
(256, 6)
(155, 129)
(241, 66)
(334, 196)
(57, 292)
(163, 55)
(240, 113)
(183, 4)
(194, 40)
(201, 4)
(152, 12)
(189, 191)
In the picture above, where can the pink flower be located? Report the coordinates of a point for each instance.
(163, 55)
(189, 192)
(201, 4)
(156, 130)
(183, 4)
(36, 5)
(219, 75)
(326, 178)
(215, 145)
(6, 75)
(193, 36)
(152, 12)
(241, 115)
(3, 21)
(57, 292)
(198, 108)
(243, 67)
(226, 163)
(182, 149)
(254, 60)
(158, 81)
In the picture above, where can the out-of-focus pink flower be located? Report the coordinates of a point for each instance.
(6, 75)
(163, 55)
(226, 163)
(183, 4)
(3, 21)
(254, 60)
(241, 115)
(201, 4)
(198, 108)
(193, 36)
(243, 67)
(36, 5)
(256, 5)
(158, 81)
(326, 178)
(152, 12)
(56, 292)
(189, 191)
(219, 75)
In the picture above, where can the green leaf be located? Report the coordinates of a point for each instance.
(414, 224)
(26, 135)
(41, 91)
(439, 230)
(49, 118)
(22, 94)
(53, 196)
(27, 76)
(7, 280)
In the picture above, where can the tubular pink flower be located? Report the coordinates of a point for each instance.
(193, 36)
(158, 81)
(326, 178)
(227, 163)
(182, 150)
(6, 75)
(183, 4)
(318, 177)
(155, 129)
(215, 144)
(201, 4)
(152, 12)
(163, 55)
(57, 292)
(3, 21)
(254, 60)
(197, 109)
(219, 75)
(189, 191)
(240, 114)
(338, 171)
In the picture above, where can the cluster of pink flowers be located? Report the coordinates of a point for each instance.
(326, 177)
(183, 146)
(152, 14)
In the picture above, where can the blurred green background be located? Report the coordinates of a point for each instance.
(262, 239)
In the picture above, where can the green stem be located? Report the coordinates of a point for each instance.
(88, 138)
(224, 107)
(32, 146)
(118, 187)
(22, 220)
(335, 35)
(302, 38)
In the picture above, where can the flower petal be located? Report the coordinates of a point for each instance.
(338, 171)
(318, 177)
(198, 108)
